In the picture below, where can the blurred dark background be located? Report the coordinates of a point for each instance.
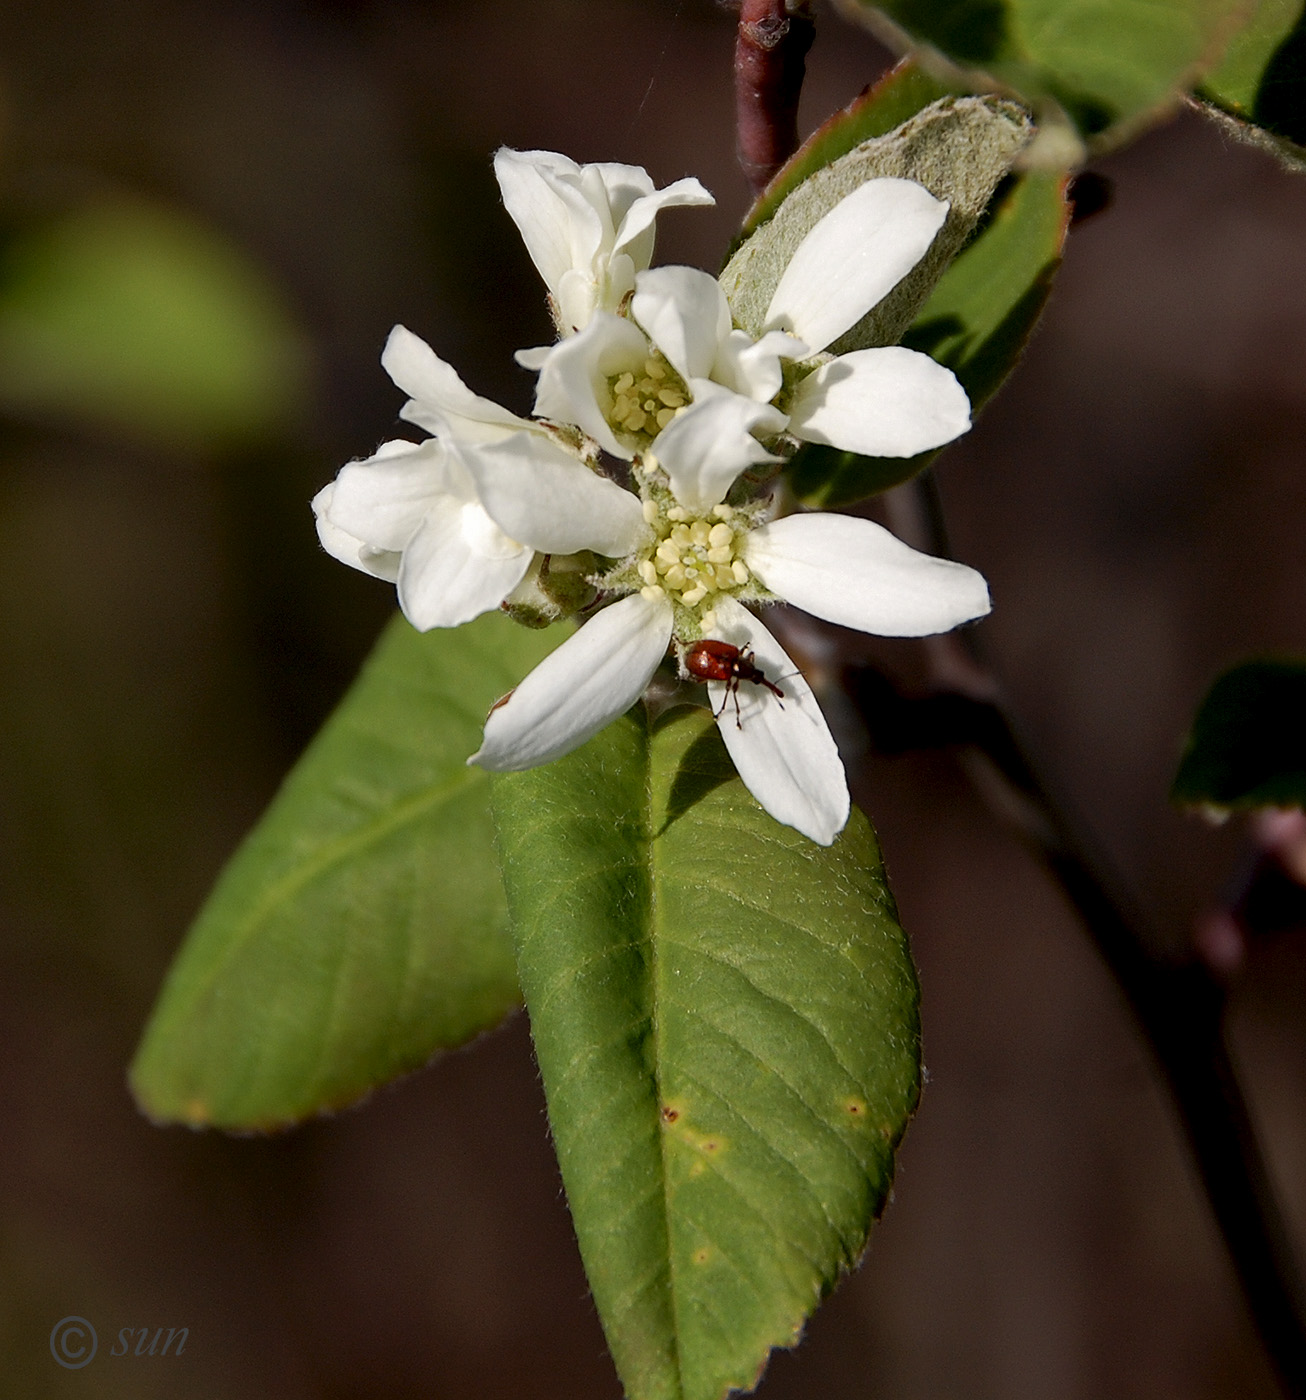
(284, 181)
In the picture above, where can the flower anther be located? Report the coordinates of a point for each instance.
(645, 399)
(694, 558)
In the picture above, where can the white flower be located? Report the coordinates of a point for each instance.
(443, 519)
(651, 370)
(588, 228)
(691, 577)
(704, 391)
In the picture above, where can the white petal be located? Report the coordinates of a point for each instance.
(753, 367)
(575, 300)
(382, 501)
(349, 549)
(440, 401)
(534, 358)
(891, 402)
(559, 226)
(457, 566)
(856, 573)
(705, 446)
(686, 316)
(636, 223)
(574, 379)
(782, 747)
(852, 257)
(593, 677)
(543, 496)
(589, 228)
(593, 186)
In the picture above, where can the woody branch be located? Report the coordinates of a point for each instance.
(770, 60)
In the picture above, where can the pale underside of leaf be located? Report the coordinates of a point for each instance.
(958, 148)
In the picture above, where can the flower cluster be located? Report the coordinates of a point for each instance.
(495, 510)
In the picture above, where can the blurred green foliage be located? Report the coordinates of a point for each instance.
(135, 318)
(1248, 745)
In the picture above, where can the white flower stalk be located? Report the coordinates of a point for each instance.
(588, 228)
(693, 575)
(443, 520)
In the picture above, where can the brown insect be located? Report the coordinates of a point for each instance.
(710, 660)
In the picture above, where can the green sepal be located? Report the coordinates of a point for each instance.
(725, 1017)
(361, 926)
(1248, 743)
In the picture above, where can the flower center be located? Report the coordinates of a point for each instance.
(693, 559)
(645, 400)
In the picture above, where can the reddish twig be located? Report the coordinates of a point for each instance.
(770, 60)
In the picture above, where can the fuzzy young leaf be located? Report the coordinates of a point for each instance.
(361, 926)
(977, 322)
(896, 98)
(1248, 745)
(959, 148)
(1108, 64)
(725, 1017)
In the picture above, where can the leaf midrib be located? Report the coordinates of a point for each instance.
(653, 844)
(330, 854)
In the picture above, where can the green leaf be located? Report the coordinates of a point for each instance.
(361, 926)
(959, 148)
(134, 317)
(1109, 64)
(1260, 86)
(977, 322)
(725, 1017)
(1248, 745)
(895, 99)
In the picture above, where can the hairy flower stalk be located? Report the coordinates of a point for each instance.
(651, 370)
